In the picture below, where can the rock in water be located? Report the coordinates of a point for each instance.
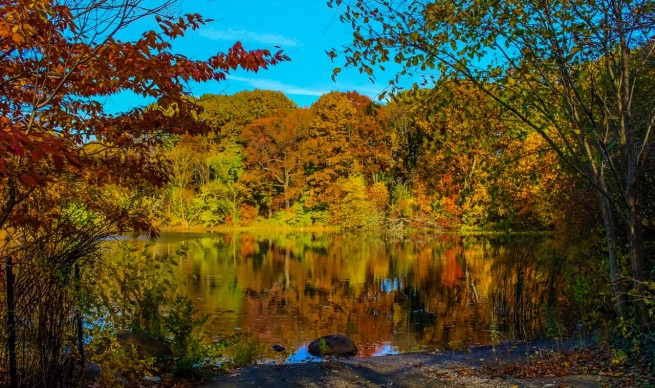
(332, 345)
(279, 348)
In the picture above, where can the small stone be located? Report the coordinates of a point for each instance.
(279, 348)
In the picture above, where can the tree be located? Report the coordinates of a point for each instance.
(274, 149)
(186, 165)
(346, 137)
(569, 70)
(331, 138)
(58, 60)
(467, 161)
(356, 210)
(223, 195)
(371, 148)
(229, 114)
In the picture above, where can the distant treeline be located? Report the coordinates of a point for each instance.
(441, 158)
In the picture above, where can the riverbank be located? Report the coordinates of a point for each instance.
(510, 365)
(272, 227)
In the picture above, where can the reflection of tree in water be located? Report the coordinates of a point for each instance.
(419, 316)
(429, 291)
(258, 258)
(525, 293)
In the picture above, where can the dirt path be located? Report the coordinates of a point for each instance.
(446, 369)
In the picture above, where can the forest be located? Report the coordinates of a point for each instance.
(521, 117)
(443, 159)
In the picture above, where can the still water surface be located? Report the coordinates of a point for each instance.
(389, 296)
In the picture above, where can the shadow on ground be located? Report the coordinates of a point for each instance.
(443, 369)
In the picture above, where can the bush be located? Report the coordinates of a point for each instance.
(117, 363)
(137, 292)
(190, 353)
(245, 351)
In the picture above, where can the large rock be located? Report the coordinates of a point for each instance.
(332, 345)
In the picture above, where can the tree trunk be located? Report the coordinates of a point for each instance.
(11, 324)
(80, 322)
(610, 232)
(286, 189)
(630, 145)
(235, 212)
(635, 239)
(287, 277)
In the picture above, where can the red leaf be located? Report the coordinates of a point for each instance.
(37, 154)
(29, 180)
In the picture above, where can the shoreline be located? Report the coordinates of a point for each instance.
(265, 228)
(420, 369)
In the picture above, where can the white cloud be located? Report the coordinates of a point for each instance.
(245, 35)
(269, 84)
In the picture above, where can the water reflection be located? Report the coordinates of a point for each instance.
(301, 355)
(389, 296)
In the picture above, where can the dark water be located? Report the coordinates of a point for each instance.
(389, 296)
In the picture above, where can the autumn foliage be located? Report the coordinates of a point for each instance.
(444, 157)
(441, 159)
(73, 174)
(577, 74)
(59, 62)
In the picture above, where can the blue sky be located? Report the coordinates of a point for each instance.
(304, 30)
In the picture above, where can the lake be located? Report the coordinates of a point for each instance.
(388, 295)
